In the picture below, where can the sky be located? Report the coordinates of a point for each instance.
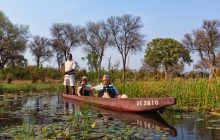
(160, 18)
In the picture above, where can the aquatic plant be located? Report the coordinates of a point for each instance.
(197, 94)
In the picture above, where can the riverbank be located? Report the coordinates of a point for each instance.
(27, 86)
(191, 95)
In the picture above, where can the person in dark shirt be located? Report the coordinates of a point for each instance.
(84, 89)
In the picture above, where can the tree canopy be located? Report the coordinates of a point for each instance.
(165, 52)
(125, 35)
(95, 37)
(13, 39)
(206, 42)
(65, 36)
(40, 48)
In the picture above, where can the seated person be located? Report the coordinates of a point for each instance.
(106, 89)
(84, 88)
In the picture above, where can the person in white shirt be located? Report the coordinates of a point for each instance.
(106, 89)
(69, 77)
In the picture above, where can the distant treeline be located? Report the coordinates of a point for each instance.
(163, 56)
(47, 74)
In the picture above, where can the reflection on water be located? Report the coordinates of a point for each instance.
(148, 120)
(51, 108)
(194, 125)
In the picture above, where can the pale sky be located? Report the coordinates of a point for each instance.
(160, 18)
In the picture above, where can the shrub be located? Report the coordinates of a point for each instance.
(9, 78)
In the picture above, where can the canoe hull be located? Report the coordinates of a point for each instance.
(126, 104)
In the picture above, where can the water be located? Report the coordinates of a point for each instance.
(50, 116)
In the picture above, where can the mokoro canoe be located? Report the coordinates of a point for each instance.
(126, 104)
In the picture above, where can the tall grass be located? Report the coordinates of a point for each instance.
(27, 87)
(190, 94)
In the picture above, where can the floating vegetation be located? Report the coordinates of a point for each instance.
(212, 121)
(40, 118)
(199, 119)
(51, 117)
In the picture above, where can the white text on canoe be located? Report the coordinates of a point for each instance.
(147, 102)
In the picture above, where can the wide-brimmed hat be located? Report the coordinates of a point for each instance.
(84, 78)
(106, 77)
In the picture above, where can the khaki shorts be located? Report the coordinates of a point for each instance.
(69, 80)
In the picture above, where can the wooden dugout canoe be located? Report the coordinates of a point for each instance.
(126, 104)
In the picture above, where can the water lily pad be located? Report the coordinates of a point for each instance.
(212, 121)
(187, 116)
(163, 138)
(216, 125)
(96, 135)
(199, 119)
(209, 127)
(148, 138)
(177, 116)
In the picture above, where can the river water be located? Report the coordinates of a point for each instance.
(48, 111)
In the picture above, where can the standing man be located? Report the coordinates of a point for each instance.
(69, 77)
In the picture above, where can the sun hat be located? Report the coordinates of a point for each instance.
(106, 77)
(84, 78)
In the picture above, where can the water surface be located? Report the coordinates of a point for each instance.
(50, 116)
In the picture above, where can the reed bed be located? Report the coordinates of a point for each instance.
(194, 94)
(200, 94)
(27, 87)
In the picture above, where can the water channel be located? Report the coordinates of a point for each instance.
(50, 116)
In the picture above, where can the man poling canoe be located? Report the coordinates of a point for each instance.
(69, 77)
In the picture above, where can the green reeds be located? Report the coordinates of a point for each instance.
(27, 87)
(197, 94)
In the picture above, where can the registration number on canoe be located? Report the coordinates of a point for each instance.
(147, 102)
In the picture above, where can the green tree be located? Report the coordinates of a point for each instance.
(152, 58)
(166, 52)
(13, 39)
(91, 61)
(206, 42)
(17, 61)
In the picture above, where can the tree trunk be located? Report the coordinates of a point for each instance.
(38, 62)
(124, 70)
(165, 72)
(99, 69)
(1, 66)
(211, 69)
